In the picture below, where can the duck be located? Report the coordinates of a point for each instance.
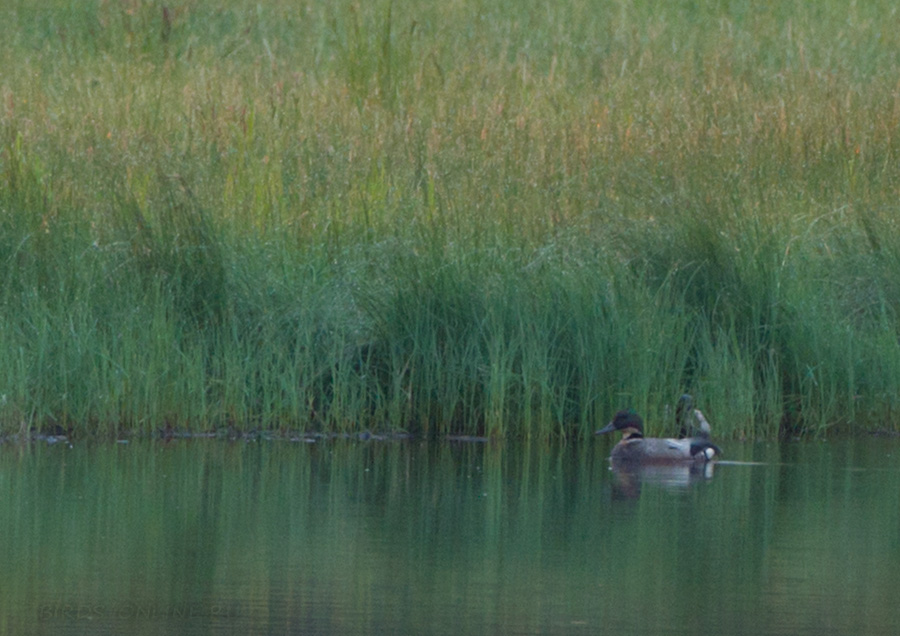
(634, 447)
(691, 422)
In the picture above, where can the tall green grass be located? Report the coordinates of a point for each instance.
(448, 218)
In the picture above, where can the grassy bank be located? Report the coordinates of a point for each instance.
(453, 217)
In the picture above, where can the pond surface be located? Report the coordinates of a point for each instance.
(210, 537)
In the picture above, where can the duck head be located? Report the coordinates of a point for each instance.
(682, 415)
(628, 422)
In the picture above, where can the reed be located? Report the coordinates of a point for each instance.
(486, 220)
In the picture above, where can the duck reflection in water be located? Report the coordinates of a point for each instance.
(668, 462)
(630, 476)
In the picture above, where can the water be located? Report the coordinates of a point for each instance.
(211, 537)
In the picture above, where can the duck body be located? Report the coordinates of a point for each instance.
(634, 447)
(655, 449)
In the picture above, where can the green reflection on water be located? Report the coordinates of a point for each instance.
(211, 538)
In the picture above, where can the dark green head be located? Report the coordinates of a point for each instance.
(683, 412)
(627, 422)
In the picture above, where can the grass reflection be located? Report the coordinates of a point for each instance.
(208, 537)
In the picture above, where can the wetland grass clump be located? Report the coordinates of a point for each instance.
(504, 222)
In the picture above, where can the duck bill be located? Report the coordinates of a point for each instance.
(606, 429)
